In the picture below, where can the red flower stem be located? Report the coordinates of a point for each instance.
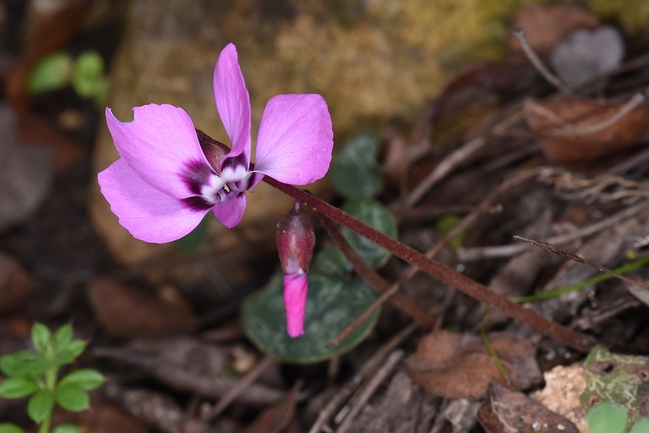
(576, 340)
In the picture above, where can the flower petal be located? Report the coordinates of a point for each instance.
(295, 290)
(161, 146)
(233, 104)
(230, 212)
(295, 139)
(146, 212)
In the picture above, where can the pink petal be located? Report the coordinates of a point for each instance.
(295, 291)
(295, 139)
(146, 212)
(230, 212)
(159, 145)
(233, 102)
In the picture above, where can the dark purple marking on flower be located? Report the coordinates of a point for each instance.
(196, 203)
(196, 175)
(233, 162)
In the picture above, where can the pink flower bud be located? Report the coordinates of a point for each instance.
(295, 242)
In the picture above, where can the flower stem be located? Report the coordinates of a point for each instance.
(574, 339)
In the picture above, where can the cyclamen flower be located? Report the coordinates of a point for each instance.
(163, 184)
(295, 242)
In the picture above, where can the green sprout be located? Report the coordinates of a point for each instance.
(34, 374)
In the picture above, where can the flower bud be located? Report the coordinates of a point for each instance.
(295, 242)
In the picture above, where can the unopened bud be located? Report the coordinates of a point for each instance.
(295, 242)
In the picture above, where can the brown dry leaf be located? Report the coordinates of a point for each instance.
(508, 411)
(104, 417)
(128, 313)
(546, 25)
(459, 366)
(15, 284)
(277, 417)
(571, 129)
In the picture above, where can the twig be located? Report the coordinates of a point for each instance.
(239, 388)
(373, 384)
(538, 64)
(479, 253)
(368, 368)
(567, 254)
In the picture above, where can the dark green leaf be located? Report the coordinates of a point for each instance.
(40, 405)
(332, 304)
(444, 226)
(17, 387)
(355, 171)
(85, 378)
(6, 427)
(72, 397)
(67, 428)
(41, 338)
(25, 363)
(376, 215)
(88, 79)
(607, 418)
(51, 73)
(331, 261)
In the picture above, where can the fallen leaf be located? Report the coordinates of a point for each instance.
(128, 313)
(15, 284)
(459, 365)
(547, 24)
(277, 417)
(508, 411)
(571, 129)
(585, 54)
(25, 174)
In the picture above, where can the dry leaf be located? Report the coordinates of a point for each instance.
(15, 284)
(277, 417)
(571, 129)
(508, 411)
(128, 313)
(459, 366)
(586, 54)
(546, 25)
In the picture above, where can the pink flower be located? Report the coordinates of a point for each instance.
(163, 184)
(295, 242)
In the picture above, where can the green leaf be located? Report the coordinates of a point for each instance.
(67, 428)
(41, 338)
(18, 387)
(376, 215)
(85, 378)
(70, 353)
(88, 78)
(7, 427)
(641, 426)
(330, 261)
(332, 304)
(63, 337)
(40, 405)
(355, 171)
(72, 397)
(51, 73)
(24, 363)
(191, 241)
(607, 418)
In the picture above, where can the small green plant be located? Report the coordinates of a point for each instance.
(34, 374)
